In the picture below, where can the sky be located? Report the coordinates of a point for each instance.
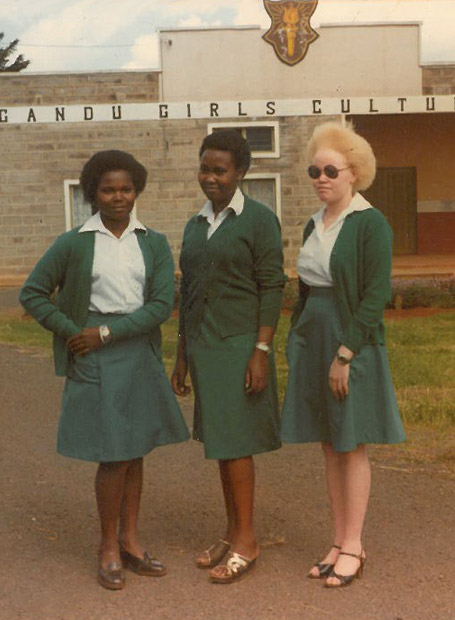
(90, 35)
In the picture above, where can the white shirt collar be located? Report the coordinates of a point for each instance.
(95, 223)
(236, 204)
(358, 203)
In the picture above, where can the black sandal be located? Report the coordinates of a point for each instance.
(346, 580)
(324, 569)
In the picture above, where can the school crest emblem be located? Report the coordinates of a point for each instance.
(290, 32)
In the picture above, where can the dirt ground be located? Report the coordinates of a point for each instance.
(49, 529)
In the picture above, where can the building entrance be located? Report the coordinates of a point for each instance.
(394, 192)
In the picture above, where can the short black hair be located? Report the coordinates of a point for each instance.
(229, 140)
(106, 161)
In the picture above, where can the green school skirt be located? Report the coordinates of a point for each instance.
(231, 423)
(369, 413)
(117, 402)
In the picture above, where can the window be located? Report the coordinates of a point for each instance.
(263, 137)
(264, 187)
(77, 211)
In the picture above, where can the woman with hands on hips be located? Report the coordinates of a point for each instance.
(231, 289)
(339, 388)
(115, 286)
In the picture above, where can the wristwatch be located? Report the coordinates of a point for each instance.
(263, 346)
(343, 359)
(105, 334)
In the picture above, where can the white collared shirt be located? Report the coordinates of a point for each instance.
(313, 262)
(236, 205)
(118, 274)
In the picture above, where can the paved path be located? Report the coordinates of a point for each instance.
(49, 529)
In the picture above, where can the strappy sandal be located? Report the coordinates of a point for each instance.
(346, 580)
(213, 554)
(236, 567)
(324, 569)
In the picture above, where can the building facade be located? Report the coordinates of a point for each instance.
(50, 124)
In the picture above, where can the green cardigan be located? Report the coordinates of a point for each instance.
(238, 272)
(361, 264)
(67, 266)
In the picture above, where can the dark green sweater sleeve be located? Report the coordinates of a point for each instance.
(268, 268)
(35, 296)
(376, 285)
(159, 296)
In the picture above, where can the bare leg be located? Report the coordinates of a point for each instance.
(335, 489)
(239, 474)
(109, 487)
(129, 512)
(228, 502)
(357, 483)
(205, 558)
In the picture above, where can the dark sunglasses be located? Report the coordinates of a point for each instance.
(330, 171)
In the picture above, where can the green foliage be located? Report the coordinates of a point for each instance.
(406, 293)
(5, 52)
(423, 293)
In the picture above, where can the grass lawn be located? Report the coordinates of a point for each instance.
(422, 358)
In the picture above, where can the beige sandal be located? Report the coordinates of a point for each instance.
(237, 566)
(213, 555)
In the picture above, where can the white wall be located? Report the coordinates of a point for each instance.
(224, 64)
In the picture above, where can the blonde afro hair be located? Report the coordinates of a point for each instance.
(355, 149)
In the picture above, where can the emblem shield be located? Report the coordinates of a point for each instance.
(290, 32)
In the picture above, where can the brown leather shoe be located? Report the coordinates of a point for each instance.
(112, 576)
(147, 565)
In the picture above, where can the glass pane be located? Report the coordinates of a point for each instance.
(260, 138)
(80, 210)
(262, 190)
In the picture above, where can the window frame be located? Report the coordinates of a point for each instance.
(276, 176)
(275, 154)
(67, 185)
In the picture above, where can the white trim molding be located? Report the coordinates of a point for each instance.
(217, 110)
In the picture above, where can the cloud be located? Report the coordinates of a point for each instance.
(90, 26)
(144, 53)
(196, 21)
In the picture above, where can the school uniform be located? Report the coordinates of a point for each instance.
(232, 283)
(344, 286)
(117, 402)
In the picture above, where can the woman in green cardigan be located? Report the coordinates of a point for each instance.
(232, 282)
(115, 283)
(339, 387)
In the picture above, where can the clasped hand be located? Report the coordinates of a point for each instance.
(87, 341)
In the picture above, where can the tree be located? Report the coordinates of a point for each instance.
(5, 52)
